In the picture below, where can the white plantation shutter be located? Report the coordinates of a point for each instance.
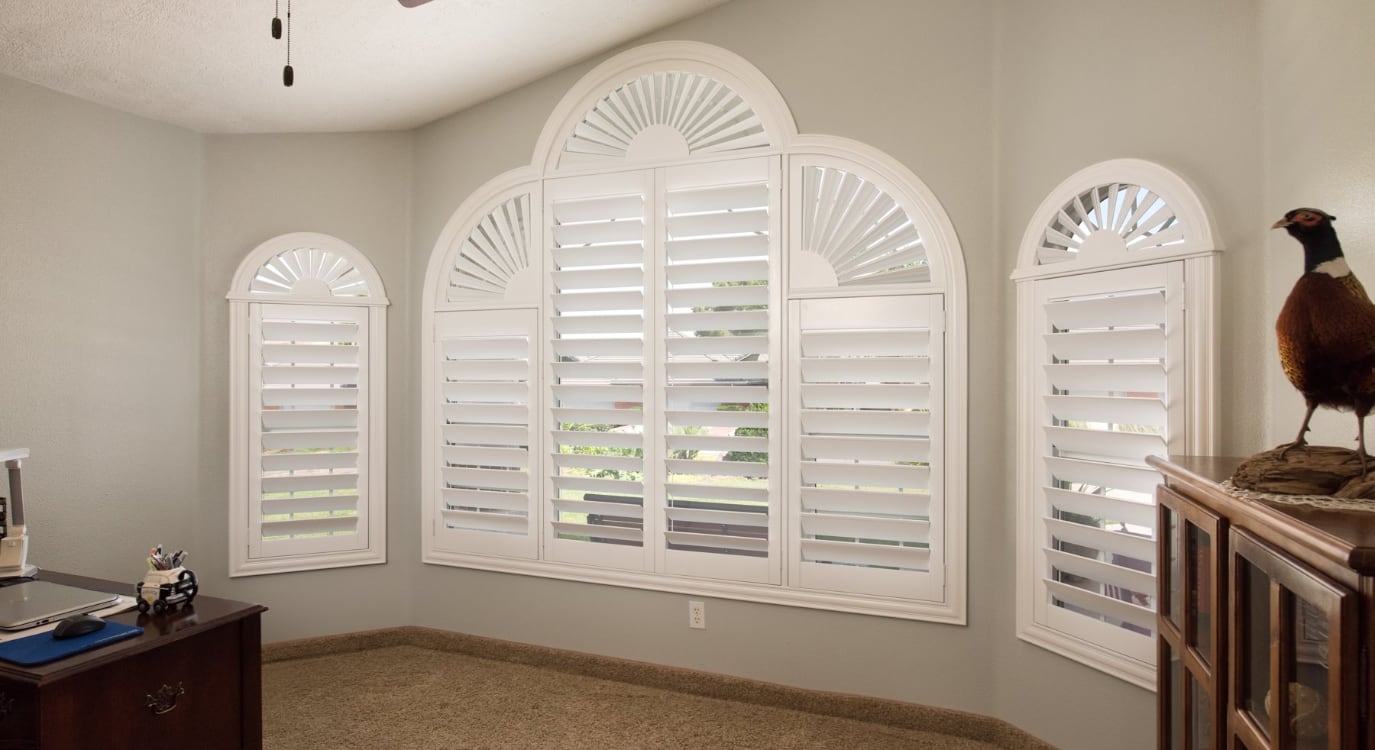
(1110, 375)
(307, 408)
(719, 363)
(598, 233)
(692, 433)
(311, 396)
(487, 395)
(867, 388)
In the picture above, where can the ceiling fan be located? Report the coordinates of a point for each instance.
(412, 3)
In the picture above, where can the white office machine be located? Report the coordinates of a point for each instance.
(14, 541)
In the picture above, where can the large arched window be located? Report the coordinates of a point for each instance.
(1111, 369)
(307, 408)
(689, 349)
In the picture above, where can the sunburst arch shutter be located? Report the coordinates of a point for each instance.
(849, 231)
(1118, 212)
(493, 262)
(664, 115)
(307, 423)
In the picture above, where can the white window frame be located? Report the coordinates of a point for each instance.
(316, 277)
(766, 130)
(1104, 258)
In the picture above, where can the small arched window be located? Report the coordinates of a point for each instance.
(1110, 371)
(307, 408)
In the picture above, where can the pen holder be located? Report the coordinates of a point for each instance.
(164, 590)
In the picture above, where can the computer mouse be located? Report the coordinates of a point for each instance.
(71, 627)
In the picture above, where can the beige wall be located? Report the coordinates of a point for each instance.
(99, 345)
(1175, 82)
(355, 187)
(1319, 124)
(870, 76)
(118, 238)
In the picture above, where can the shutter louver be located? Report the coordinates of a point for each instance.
(597, 392)
(486, 372)
(311, 417)
(867, 386)
(1107, 377)
(717, 339)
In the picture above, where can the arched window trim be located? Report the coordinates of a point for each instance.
(925, 211)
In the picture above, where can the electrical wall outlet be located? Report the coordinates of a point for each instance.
(697, 615)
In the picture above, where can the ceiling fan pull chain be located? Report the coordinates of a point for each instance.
(288, 75)
(276, 19)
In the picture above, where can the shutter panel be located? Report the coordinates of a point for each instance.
(309, 429)
(598, 233)
(718, 352)
(1109, 390)
(486, 375)
(867, 389)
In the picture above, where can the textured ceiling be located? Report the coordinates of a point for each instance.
(213, 66)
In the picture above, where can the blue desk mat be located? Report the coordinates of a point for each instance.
(43, 647)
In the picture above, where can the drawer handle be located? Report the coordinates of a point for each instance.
(165, 699)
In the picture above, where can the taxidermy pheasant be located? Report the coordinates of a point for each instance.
(1326, 329)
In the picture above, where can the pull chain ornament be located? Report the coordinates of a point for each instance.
(276, 20)
(288, 74)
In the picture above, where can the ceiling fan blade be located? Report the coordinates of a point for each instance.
(412, 3)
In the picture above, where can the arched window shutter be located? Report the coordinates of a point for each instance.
(1111, 371)
(308, 449)
(728, 342)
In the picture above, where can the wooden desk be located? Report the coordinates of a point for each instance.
(202, 662)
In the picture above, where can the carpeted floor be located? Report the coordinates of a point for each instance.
(425, 689)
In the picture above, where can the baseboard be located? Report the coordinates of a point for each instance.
(860, 708)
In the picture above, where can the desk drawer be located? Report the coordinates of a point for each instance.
(188, 693)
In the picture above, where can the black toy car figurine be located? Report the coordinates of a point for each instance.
(165, 590)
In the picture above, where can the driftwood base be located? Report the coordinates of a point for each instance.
(1308, 470)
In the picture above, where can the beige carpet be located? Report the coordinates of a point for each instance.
(422, 688)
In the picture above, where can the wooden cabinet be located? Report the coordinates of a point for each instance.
(193, 679)
(1266, 618)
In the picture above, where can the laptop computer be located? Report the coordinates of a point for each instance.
(33, 603)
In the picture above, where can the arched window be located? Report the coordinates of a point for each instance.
(1110, 371)
(307, 408)
(689, 349)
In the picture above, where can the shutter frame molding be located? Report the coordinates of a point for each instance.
(1192, 424)
(317, 302)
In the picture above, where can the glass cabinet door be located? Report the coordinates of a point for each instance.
(1191, 717)
(1287, 665)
